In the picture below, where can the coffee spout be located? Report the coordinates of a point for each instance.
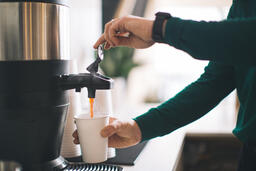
(92, 82)
(91, 92)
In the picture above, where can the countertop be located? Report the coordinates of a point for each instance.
(161, 153)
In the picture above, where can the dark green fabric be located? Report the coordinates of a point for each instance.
(229, 45)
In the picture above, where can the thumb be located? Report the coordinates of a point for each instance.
(109, 130)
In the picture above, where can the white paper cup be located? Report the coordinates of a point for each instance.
(94, 147)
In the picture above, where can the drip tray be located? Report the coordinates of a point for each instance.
(125, 156)
(91, 167)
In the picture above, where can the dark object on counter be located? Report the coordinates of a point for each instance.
(211, 152)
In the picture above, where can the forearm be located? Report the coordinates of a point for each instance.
(190, 104)
(229, 41)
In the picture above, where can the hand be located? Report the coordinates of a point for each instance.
(139, 29)
(120, 134)
(76, 138)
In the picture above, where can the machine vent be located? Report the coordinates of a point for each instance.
(91, 167)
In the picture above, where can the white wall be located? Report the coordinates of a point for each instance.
(166, 70)
(85, 28)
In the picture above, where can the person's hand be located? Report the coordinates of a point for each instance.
(139, 30)
(76, 138)
(120, 134)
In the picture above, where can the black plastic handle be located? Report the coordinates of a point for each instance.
(92, 82)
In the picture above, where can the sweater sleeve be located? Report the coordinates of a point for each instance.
(190, 104)
(230, 41)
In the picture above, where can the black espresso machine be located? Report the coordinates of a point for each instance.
(34, 79)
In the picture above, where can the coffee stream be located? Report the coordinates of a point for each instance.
(91, 100)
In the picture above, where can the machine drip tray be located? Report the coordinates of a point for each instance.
(80, 166)
(126, 156)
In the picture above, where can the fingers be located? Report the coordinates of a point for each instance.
(101, 40)
(105, 37)
(107, 33)
(107, 46)
(75, 135)
(110, 36)
(113, 30)
(112, 119)
(110, 129)
(116, 142)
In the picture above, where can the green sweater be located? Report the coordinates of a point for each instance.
(230, 47)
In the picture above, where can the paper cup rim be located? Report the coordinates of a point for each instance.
(88, 117)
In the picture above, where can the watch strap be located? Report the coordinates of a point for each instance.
(157, 33)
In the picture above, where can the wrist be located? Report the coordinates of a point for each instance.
(150, 31)
(137, 131)
(159, 25)
(164, 27)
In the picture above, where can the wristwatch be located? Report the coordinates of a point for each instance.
(157, 32)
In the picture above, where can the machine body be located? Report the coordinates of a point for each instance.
(34, 79)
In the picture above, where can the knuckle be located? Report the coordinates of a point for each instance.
(105, 27)
(124, 17)
(107, 24)
(106, 37)
(111, 127)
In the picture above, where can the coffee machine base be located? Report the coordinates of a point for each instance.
(60, 164)
(94, 167)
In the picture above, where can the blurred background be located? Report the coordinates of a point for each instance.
(145, 78)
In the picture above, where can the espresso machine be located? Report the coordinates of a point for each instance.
(34, 79)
